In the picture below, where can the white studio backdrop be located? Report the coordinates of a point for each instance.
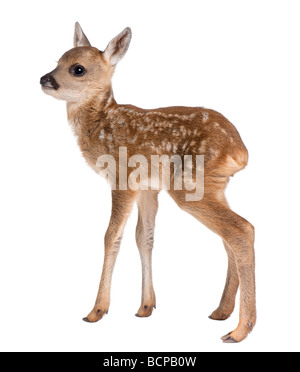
(240, 58)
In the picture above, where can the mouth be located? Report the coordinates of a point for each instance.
(47, 87)
(49, 90)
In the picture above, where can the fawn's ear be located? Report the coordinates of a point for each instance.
(118, 46)
(79, 37)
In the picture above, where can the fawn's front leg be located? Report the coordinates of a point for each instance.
(122, 202)
(147, 207)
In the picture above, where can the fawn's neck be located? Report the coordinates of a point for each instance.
(86, 119)
(83, 115)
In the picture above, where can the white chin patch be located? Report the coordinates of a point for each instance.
(48, 90)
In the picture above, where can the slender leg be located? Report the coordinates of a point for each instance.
(122, 202)
(147, 208)
(238, 235)
(227, 302)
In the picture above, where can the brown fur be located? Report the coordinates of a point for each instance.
(102, 126)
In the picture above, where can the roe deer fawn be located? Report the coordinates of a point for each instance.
(83, 79)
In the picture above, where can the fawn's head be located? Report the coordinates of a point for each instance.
(84, 71)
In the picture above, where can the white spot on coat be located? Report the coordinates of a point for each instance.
(102, 134)
(168, 146)
(202, 148)
(205, 117)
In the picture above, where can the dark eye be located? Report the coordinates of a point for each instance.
(77, 70)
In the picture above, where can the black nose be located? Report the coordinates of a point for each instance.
(49, 81)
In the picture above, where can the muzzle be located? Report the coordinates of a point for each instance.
(48, 81)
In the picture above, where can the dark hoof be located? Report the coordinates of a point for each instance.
(218, 319)
(229, 340)
(86, 319)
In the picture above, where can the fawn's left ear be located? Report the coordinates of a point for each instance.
(118, 46)
(79, 37)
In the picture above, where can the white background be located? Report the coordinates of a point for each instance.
(240, 58)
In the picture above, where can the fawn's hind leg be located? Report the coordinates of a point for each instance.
(227, 302)
(239, 236)
(147, 208)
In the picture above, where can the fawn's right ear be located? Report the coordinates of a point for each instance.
(79, 37)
